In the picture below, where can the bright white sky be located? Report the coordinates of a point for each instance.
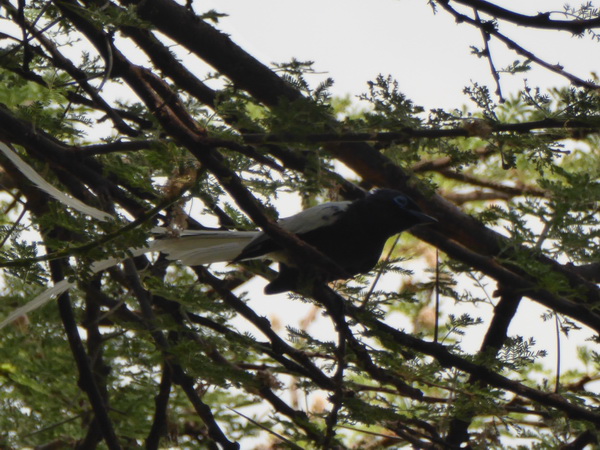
(353, 41)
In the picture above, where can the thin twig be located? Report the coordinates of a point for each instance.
(488, 55)
(556, 68)
(268, 430)
(379, 273)
(14, 226)
(338, 396)
(437, 296)
(557, 324)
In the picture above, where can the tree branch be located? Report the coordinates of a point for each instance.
(540, 20)
(178, 374)
(493, 341)
(160, 422)
(556, 68)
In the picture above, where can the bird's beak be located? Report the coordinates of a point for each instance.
(422, 218)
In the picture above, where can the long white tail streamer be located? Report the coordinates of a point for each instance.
(196, 247)
(43, 185)
(38, 302)
(71, 202)
(61, 287)
(193, 248)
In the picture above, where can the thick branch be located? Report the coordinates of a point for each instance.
(471, 234)
(406, 134)
(216, 48)
(493, 341)
(447, 359)
(160, 423)
(86, 380)
(38, 203)
(178, 373)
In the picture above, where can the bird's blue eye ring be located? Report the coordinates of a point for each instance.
(401, 201)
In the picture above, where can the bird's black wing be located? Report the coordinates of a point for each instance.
(304, 222)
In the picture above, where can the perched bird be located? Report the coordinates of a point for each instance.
(352, 234)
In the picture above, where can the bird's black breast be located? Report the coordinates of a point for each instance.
(349, 243)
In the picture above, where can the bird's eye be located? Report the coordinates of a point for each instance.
(401, 201)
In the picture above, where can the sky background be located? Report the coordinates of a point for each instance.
(353, 41)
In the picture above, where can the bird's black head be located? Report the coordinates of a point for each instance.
(398, 210)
